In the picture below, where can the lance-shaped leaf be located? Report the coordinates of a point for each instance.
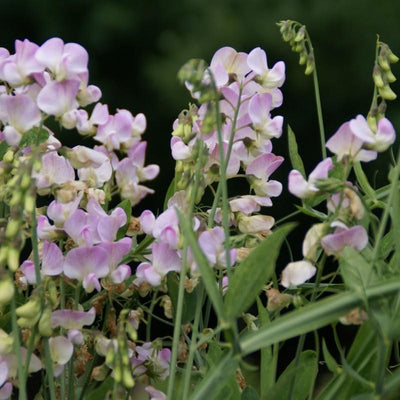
(214, 381)
(313, 316)
(251, 275)
(207, 273)
(295, 159)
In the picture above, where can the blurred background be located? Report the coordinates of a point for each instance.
(136, 48)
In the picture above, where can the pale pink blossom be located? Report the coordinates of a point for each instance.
(296, 273)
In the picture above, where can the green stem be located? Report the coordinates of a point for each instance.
(193, 344)
(17, 351)
(49, 369)
(35, 249)
(150, 314)
(319, 111)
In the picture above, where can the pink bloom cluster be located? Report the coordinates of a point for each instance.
(354, 141)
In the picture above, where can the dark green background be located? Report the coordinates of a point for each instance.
(137, 47)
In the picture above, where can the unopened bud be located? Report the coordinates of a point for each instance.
(13, 259)
(387, 93)
(178, 131)
(16, 198)
(330, 185)
(390, 77)
(310, 66)
(378, 80)
(25, 322)
(52, 292)
(392, 57)
(3, 255)
(277, 300)
(100, 372)
(29, 203)
(303, 58)
(6, 291)
(9, 156)
(25, 182)
(117, 374)
(45, 323)
(12, 229)
(110, 356)
(127, 379)
(131, 331)
(29, 309)
(300, 34)
(6, 342)
(383, 62)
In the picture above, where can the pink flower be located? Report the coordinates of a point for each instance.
(228, 61)
(269, 78)
(19, 113)
(63, 60)
(296, 273)
(379, 141)
(355, 237)
(87, 265)
(344, 143)
(17, 69)
(259, 111)
(72, 319)
(248, 204)
(212, 244)
(301, 188)
(155, 394)
(55, 169)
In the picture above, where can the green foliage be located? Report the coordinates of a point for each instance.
(34, 137)
(127, 207)
(252, 274)
(295, 159)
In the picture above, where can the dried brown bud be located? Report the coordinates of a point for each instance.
(354, 317)
(277, 300)
(134, 227)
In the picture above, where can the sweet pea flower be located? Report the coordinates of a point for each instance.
(164, 260)
(379, 141)
(82, 228)
(6, 391)
(248, 204)
(301, 188)
(18, 68)
(60, 212)
(355, 237)
(86, 125)
(269, 78)
(116, 250)
(136, 154)
(87, 265)
(312, 240)
(156, 360)
(63, 60)
(55, 170)
(87, 94)
(155, 394)
(61, 350)
(52, 259)
(72, 319)
(227, 62)
(59, 98)
(212, 244)
(344, 143)
(296, 273)
(259, 112)
(255, 223)
(19, 114)
(261, 168)
(12, 363)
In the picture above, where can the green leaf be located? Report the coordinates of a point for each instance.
(329, 360)
(305, 372)
(190, 299)
(170, 193)
(215, 379)
(101, 391)
(249, 393)
(355, 270)
(127, 207)
(34, 136)
(268, 359)
(295, 159)
(313, 316)
(362, 180)
(3, 149)
(251, 275)
(207, 273)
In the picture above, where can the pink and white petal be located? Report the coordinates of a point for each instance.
(75, 336)
(359, 126)
(61, 349)
(50, 53)
(3, 372)
(276, 75)
(366, 155)
(139, 124)
(120, 274)
(151, 276)
(165, 259)
(28, 269)
(298, 186)
(52, 259)
(76, 58)
(91, 282)
(99, 114)
(72, 319)
(149, 172)
(321, 170)
(259, 108)
(12, 136)
(57, 98)
(296, 273)
(257, 61)
(147, 221)
(155, 394)
(6, 391)
(355, 237)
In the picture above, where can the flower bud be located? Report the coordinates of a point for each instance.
(303, 58)
(13, 258)
(29, 309)
(392, 57)
(45, 323)
(300, 34)
(6, 343)
(16, 198)
(390, 77)
(25, 182)
(29, 323)
(131, 331)
(127, 379)
(117, 374)
(9, 156)
(29, 203)
(12, 229)
(387, 93)
(310, 66)
(277, 300)
(3, 255)
(378, 80)
(52, 292)
(100, 373)
(110, 356)
(6, 291)
(383, 62)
